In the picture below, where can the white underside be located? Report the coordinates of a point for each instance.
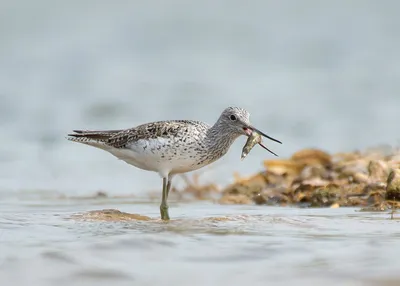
(144, 154)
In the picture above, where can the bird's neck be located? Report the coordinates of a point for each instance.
(220, 139)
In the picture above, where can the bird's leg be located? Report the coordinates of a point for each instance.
(164, 205)
(169, 185)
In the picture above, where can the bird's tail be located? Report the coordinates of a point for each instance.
(94, 138)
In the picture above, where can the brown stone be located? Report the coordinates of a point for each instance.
(259, 199)
(247, 186)
(315, 178)
(324, 197)
(360, 178)
(378, 170)
(109, 215)
(378, 207)
(353, 171)
(275, 179)
(312, 157)
(310, 172)
(272, 196)
(283, 167)
(355, 201)
(393, 186)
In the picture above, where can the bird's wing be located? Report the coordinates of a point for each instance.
(120, 138)
(153, 130)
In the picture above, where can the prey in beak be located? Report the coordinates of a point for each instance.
(249, 129)
(255, 138)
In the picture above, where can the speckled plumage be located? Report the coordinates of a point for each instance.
(173, 146)
(165, 143)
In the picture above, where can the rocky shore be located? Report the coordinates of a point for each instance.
(314, 178)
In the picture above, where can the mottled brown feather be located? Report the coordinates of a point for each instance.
(159, 129)
(103, 135)
(120, 138)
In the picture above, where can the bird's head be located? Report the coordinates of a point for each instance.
(236, 120)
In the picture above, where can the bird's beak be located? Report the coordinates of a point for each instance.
(262, 145)
(249, 129)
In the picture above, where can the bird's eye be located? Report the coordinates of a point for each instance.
(232, 117)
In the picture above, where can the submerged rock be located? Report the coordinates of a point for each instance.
(109, 215)
(377, 207)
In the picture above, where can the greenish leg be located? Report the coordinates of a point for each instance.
(164, 205)
(169, 185)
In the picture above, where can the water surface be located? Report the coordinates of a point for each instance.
(56, 241)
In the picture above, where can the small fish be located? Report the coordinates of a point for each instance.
(254, 139)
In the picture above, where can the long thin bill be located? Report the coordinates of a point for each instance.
(267, 149)
(265, 135)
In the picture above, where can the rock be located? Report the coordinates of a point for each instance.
(324, 197)
(375, 193)
(378, 207)
(375, 187)
(275, 179)
(354, 190)
(317, 174)
(247, 186)
(378, 170)
(271, 197)
(259, 199)
(316, 182)
(311, 172)
(315, 194)
(360, 178)
(312, 157)
(341, 181)
(353, 171)
(109, 215)
(393, 186)
(354, 201)
(350, 167)
(257, 179)
(315, 178)
(283, 167)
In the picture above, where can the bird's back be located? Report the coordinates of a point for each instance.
(164, 146)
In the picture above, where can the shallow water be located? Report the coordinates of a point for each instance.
(56, 241)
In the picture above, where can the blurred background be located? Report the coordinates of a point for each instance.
(320, 74)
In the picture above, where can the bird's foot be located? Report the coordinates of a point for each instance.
(164, 212)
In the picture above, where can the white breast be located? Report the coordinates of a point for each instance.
(161, 155)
